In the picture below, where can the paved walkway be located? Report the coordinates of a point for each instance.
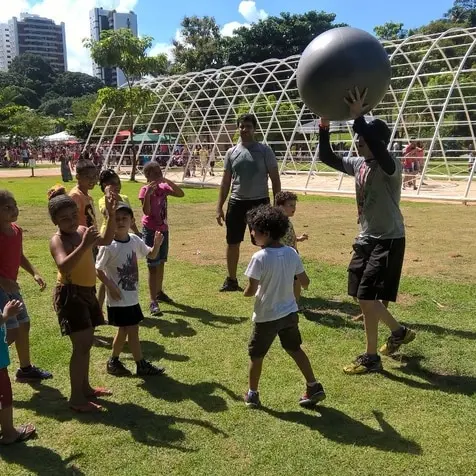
(433, 189)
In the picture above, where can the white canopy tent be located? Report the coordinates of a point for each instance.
(59, 137)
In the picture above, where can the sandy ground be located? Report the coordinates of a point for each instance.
(432, 188)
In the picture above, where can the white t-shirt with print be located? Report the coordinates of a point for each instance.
(275, 269)
(119, 262)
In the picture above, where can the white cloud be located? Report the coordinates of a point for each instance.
(248, 10)
(75, 15)
(160, 48)
(167, 48)
(228, 29)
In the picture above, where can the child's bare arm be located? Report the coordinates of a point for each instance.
(146, 200)
(176, 190)
(110, 231)
(302, 238)
(11, 309)
(135, 230)
(30, 269)
(304, 280)
(251, 288)
(158, 240)
(67, 261)
(111, 286)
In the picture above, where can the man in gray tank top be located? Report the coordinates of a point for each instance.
(248, 165)
(376, 265)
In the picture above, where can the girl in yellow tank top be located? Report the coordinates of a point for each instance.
(75, 295)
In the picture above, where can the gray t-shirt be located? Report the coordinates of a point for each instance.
(249, 166)
(378, 199)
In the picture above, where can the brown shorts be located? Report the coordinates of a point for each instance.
(264, 334)
(77, 308)
(6, 397)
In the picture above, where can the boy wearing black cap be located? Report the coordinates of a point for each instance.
(376, 265)
(116, 267)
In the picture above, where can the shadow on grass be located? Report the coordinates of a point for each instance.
(337, 314)
(335, 425)
(40, 460)
(462, 384)
(333, 314)
(170, 390)
(151, 350)
(204, 316)
(144, 426)
(443, 331)
(170, 328)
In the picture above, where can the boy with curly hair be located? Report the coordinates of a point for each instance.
(271, 275)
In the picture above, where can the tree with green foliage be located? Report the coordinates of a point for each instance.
(201, 45)
(391, 31)
(20, 96)
(277, 36)
(35, 72)
(74, 84)
(59, 107)
(121, 49)
(462, 11)
(22, 123)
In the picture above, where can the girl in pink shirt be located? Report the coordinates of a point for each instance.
(154, 205)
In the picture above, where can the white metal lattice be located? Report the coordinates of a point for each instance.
(432, 98)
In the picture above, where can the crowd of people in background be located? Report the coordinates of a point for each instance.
(198, 160)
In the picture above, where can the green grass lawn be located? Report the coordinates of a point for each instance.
(416, 418)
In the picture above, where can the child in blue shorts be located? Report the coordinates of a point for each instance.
(154, 205)
(8, 433)
(12, 259)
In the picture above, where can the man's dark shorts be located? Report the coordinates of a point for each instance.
(236, 218)
(375, 269)
(264, 333)
(77, 308)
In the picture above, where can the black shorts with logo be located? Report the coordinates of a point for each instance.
(375, 269)
(236, 218)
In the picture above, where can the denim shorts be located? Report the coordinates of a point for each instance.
(148, 237)
(21, 318)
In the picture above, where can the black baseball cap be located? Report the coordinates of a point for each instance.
(380, 129)
(124, 206)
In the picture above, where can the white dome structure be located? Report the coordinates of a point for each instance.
(432, 100)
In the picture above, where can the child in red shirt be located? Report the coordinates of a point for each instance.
(11, 260)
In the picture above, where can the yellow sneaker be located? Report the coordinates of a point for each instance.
(363, 364)
(393, 343)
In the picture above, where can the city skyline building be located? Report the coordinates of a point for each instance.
(101, 20)
(36, 35)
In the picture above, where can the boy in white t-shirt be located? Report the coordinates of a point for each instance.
(116, 266)
(271, 275)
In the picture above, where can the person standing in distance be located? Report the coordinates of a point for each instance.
(376, 265)
(247, 168)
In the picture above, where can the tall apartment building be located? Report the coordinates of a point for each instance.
(36, 35)
(101, 20)
(39, 36)
(6, 54)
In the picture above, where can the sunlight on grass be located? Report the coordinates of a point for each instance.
(418, 417)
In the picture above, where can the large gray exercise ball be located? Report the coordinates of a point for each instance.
(336, 61)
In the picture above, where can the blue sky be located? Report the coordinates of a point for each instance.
(161, 19)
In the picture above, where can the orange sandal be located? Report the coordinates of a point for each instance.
(99, 392)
